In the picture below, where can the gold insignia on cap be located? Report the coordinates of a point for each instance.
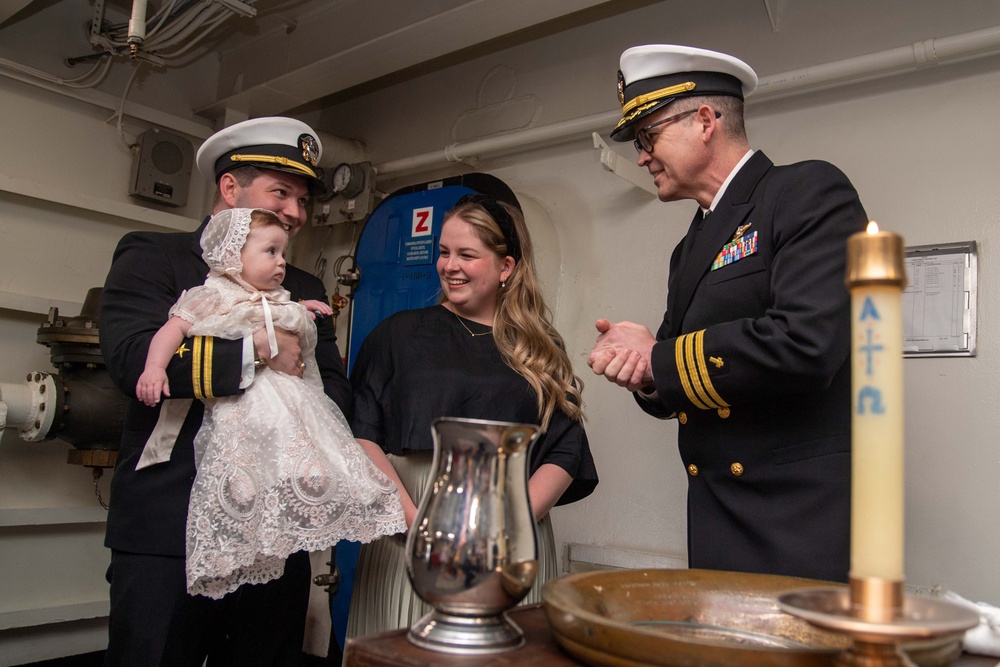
(657, 95)
(621, 88)
(310, 148)
(275, 159)
(643, 102)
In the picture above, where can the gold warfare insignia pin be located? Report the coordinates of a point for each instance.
(310, 148)
(741, 230)
(621, 88)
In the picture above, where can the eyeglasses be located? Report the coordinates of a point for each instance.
(644, 142)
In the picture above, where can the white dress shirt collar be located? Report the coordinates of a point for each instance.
(725, 183)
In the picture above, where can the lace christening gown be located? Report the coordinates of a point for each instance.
(278, 468)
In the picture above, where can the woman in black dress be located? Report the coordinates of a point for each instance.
(487, 351)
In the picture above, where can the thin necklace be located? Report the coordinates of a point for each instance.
(466, 327)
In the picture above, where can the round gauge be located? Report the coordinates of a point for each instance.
(341, 177)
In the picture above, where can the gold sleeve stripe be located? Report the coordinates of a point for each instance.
(196, 367)
(692, 347)
(703, 371)
(274, 159)
(682, 371)
(207, 366)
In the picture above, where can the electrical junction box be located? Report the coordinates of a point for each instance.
(161, 169)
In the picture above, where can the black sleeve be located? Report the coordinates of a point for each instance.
(146, 278)
(370, 377)
(302, 285)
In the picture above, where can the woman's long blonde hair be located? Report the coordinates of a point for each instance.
(522, 327)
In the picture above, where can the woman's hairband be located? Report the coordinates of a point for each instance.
(501, 216)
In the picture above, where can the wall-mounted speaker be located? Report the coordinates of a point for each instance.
(161, 169)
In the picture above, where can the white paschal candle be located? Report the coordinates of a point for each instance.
(876, 276)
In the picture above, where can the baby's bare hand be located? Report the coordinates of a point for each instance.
(151, 386)
(317, 308)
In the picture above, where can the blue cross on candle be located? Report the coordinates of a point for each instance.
(868, 392)
(868, 310)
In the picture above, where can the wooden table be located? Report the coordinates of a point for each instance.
(391, 649)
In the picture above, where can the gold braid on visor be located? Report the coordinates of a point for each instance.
(275, 159)
(640, 103)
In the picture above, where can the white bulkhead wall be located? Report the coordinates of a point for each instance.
(919, 147)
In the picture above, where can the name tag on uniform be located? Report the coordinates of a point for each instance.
(735, 251)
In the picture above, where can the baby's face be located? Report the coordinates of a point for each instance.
(263, 257)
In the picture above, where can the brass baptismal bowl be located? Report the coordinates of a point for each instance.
(708, 618)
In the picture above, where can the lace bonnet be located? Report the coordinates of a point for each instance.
(224, 237)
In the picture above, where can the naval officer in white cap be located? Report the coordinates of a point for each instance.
(752, 356)
(261, 163)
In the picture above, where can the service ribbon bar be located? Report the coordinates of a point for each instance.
(735, 251)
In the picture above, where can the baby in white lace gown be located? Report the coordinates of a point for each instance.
(278, 468)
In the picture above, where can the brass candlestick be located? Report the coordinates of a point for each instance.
(878, 616)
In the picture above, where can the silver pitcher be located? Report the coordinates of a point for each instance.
(472, 552)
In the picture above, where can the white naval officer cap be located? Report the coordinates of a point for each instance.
(654, 75)
(274, 142)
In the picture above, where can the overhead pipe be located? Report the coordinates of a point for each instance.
(472, 150)
(927, 53)
(919, 55)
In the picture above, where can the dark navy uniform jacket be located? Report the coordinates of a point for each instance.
(148, 273)
(753, 358)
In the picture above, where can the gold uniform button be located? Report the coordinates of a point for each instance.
(682, 417)
(736, 469)
(693, 470)
(724, 413)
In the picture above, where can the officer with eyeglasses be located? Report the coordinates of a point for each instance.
(753, 355)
